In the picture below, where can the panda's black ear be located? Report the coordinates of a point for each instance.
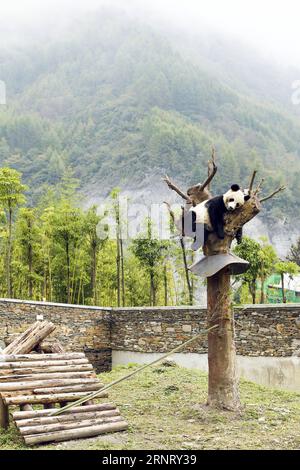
(247, 197)
(235, 187)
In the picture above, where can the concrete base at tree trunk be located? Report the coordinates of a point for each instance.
(276, 372)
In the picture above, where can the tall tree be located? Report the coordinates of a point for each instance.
(11, 195)
(28, 236)
(294, 253)
(67, 228)
(267, 259)
(285, 267)
(150, 252)
(250, 251)
(120, 247)
(91, 222)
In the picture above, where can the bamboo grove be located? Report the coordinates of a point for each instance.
(52, 251)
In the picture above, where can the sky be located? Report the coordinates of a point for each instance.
(271, 26)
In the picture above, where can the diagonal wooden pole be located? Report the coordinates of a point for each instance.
(93, 395)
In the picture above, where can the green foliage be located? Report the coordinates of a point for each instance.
(294, 253)
(150, 252)
(267, 258)
(286, 267)
(148, 249)
(261, 258)
(11, 188)
(58, 252)
(249, 250)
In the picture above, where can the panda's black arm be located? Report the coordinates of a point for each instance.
(216, 216)
(239, 235)
(220, 229)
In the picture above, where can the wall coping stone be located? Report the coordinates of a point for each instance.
(54, 304)
(147, 308)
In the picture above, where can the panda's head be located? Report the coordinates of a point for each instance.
(235, 197)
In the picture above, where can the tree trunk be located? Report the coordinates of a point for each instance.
(262, 292)
(222, 379)
(44, 284)
(165, 285)
(30, 283)
(282, 289)
(50, 276)
(9, 246)
(252, 288)
(122, 271)
(68, 271)
(187, 273)
(222, 385)
(152, 289)
(93, 273)
(118, 271)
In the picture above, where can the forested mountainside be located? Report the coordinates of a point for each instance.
(116, 101)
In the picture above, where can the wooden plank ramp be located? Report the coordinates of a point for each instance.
(49, 379)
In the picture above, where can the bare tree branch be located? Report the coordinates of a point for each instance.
(170, 210)
(259, 187)
(252, 180)
(211, 165)
(175, 188)
(212, 171)
(281, 188)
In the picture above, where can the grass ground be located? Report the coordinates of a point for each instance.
(164, 409)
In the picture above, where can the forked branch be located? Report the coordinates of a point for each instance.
(281, 188)
(170, 211)
(175, 188)
(212, 170)
(259, 187)
(252, 180)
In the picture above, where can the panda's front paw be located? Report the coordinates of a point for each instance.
(196, 244)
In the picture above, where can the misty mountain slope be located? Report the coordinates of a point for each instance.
(117, 102)
(240, 67)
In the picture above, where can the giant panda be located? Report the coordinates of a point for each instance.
(208, 216)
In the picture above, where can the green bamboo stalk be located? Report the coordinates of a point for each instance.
(93, 395)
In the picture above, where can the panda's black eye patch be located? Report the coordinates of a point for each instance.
(231, 200)
(237, 204)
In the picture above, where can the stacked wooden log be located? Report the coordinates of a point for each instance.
(31, 338)
(38, 427)
(49, 379)
(55, 378)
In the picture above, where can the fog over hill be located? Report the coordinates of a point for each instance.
(121, 102)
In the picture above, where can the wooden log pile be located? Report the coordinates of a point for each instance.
(48, 379)
(38, 427)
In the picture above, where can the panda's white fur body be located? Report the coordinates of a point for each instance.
(202, 216)
(208, 216)
(233, 199)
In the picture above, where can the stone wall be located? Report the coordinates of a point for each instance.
(157, 329)
(78, 328)
(266, 330)
(262, 330)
